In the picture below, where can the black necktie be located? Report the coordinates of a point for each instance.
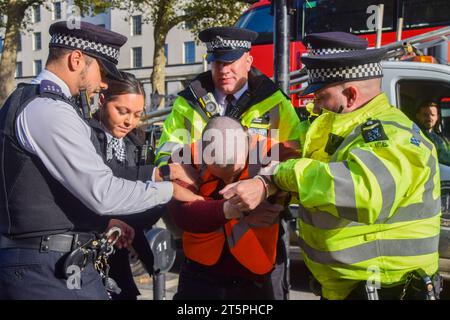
(229, 98)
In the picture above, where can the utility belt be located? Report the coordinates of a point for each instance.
(64, 242)
(81, 248)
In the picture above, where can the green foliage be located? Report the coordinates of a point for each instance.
(195, 14)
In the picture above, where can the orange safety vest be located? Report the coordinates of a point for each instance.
(254, 248)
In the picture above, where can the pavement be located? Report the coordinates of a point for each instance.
(299, 280)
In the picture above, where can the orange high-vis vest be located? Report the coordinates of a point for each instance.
(254, 248)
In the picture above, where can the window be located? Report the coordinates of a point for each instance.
(37, 43)
(37, 67)
(166, 52)
(189, 52)
(136, 24)
(36, 13)
(136, 56)
(19, 69)
(411, 94)
(420, 13)
(259, 20)
(56, 10)
(19, 42)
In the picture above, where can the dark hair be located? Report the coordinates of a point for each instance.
(128, 84)
(56, 53)
(429, 104)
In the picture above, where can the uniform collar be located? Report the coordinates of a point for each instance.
(109, 136)
(48, 75)
(339, 124)
(373, 107)
(220, 96)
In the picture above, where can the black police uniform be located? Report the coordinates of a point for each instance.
(134, 167)
(40, 220)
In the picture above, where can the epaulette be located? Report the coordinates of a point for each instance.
(372, 130)
(49, 87)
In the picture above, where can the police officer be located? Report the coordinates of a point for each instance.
(50, 171)
(368, 182)
(236, 89)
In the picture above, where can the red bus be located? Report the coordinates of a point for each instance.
(357, 17)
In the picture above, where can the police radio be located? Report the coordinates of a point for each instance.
(210, 104)
(206, 99)
(84, 104)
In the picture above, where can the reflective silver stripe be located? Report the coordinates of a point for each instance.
(384, 178)
(415, 131)
(348, 140)
(275, 117)
(428, 208)
(344, 190)
(188, 125)
(324, 220)
(237, 232)
(370, 250)
(168, 147)
(162, 159)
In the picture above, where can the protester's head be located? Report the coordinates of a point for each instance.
(427, 115)
(122, 105)
(224, 147)
(228, 51)
(342, 73)
(83, 55)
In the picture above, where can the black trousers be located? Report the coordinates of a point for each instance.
(27, 274)
(120, 269)
(196, 283)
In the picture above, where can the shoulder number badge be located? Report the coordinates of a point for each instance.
(373, 130)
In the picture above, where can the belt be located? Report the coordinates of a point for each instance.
(64, 242)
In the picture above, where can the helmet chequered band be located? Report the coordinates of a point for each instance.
(82, 44)
(362, 71)
(227, 44)
(321, 51)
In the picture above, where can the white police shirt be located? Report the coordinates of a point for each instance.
(221, 98)
(52, 130)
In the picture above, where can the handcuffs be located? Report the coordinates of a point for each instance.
(96, 250)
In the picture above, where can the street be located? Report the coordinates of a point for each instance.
(299, 281)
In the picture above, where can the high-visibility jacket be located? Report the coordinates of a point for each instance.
(268, 109)
(369, 192)
(254, 248)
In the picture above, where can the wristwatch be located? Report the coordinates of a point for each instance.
(164, 172)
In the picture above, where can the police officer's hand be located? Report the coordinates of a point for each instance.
(230, 211)
(265, 215)
(184, 195)
(184, 172)
(181, 172)
(245, 194)
(127, 236)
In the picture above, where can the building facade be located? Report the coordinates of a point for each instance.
(185, 58)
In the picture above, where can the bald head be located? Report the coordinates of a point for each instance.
(224, 142)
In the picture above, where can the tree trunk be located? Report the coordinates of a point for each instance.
(158, 77)
(16, 13)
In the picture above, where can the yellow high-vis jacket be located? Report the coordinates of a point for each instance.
(369, 194)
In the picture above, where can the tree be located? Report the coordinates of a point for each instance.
(164, 15)
(16, 17)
